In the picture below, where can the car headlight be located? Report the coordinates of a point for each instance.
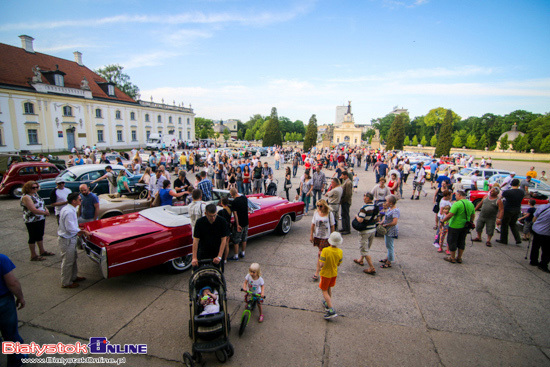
(103, 264)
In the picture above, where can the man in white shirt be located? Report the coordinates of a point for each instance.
(506, 183)
(196, 208)
(68, 231)
(418, 182)
(58, 196)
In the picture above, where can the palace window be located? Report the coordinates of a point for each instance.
(111, 90)
(98, 113)
(33, 136)
(29, 108)
(119, 135)
(100, 136)
(147, 134)
(67, 111)
(169, 119)
(179, 120)
(58, 80)
(146, 117)
(132, 116)
(134, 135)
(117, 115)
(159, 119)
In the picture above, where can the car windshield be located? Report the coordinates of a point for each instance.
(543, 186)
(466, 171)
(253, 206)
(68, 176)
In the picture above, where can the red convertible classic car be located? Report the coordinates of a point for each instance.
(163, 235)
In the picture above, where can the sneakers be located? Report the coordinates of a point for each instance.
(330, 314)
(417, 198)
(412, 197)
(241, 254)
(234, 258)
(325, 305)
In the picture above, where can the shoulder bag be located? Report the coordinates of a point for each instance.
(469, 224)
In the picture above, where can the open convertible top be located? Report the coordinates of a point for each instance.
(168, 216)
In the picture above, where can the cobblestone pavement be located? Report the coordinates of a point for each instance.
(490, 310)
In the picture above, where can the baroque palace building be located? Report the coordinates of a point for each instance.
(50, 104)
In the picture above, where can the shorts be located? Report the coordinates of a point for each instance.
(321, 243)
(417, 186)
(366, 241)
(489, 223)
(241, 236)
(527, 227)
(433, 177)
(456, 238)
(257, 182)
(327, 283)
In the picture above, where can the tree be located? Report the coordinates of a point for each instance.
(545, 145)
(436, 117)
(258, 135)
(504, 143)
(113, 74)
(240, 134)
(471, 142)
(310, 139)
(415, 141)
(445, 135)
(272, 134)
(424, 141)
(536, 142)
(433, 141)
(457, 143)
(396, 135)
(204, 128)
(407, 141)
(482, 143)
(226, 135)
(249, 136)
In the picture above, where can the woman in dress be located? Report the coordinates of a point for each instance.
(322, 225)
(389, 222)
(232, 179)
(34, 215)
(393, 185)
(146, 176)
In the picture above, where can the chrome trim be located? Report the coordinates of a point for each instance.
(263, 224)
(145, 257)
(299, 217)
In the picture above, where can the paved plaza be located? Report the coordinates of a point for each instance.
(491, 310)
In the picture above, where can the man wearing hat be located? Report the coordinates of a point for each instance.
(58, 196)
(506, 183)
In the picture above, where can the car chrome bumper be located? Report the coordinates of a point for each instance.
(93, 251)
(298, 217)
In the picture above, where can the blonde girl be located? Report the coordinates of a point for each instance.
(254, 282)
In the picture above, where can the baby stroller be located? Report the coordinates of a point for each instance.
(272, 188)
(209, 332)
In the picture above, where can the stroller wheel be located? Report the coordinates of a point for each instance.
(230, 350)
(187, 360)
(221, 355)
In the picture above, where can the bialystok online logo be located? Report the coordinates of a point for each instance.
(96, 346)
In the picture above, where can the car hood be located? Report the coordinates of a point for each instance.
(121, 227)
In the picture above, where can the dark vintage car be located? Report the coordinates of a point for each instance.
(162, 235)
(85, 174)
(19, 173)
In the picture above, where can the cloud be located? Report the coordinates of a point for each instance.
(192, 17)
(147, 59)
(394, 4)
(57, 48)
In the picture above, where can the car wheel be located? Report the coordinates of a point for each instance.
(180, 264)
(284, 224)
(143, 194)
(17, 191)
(187, 360)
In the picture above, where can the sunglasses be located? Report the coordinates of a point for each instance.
(35, 187)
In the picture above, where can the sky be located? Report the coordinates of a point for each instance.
(231, 59)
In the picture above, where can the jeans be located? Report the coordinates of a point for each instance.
(294, 170)
(276, 164)
(240, 187)
(389, 246)
(509, 219)
(345, 217)
(287, 195)
(247, 188)
(306, 200)
(317, 195)
(8, 326)
(367, 166)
